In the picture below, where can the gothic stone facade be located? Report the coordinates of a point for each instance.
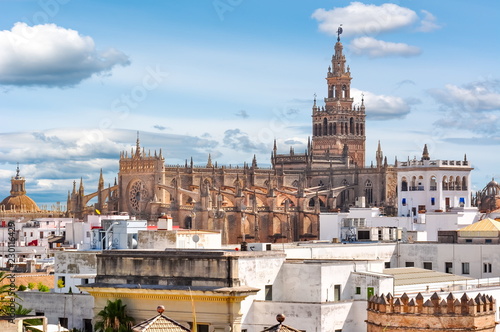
(253, 204)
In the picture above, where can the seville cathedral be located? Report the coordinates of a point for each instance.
(277, 204)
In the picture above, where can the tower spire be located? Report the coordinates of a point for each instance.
(379, 155)
(138, 146)
(330, 129)
(101, 181)
(425, 153)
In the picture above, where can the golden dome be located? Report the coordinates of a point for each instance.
(20, 203)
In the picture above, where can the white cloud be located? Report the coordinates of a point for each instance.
(378, 48)
(477, 96)
(474, 106)
(362, 19)
(52, 56)
(428, 23)
(382, 107)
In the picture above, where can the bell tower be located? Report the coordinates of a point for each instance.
(339, 123)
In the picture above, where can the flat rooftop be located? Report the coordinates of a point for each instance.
(404, 276)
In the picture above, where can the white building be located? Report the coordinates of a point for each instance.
(432, 185)
(424, 227)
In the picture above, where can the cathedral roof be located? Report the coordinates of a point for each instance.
(19, 203)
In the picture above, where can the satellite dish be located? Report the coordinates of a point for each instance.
(196, 238)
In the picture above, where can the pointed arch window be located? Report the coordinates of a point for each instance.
(325, 127)
(369, 192)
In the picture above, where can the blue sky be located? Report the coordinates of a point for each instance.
(79, 78)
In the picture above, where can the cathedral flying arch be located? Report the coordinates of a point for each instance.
(277, 204)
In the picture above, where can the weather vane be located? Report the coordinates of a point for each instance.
(339, 32)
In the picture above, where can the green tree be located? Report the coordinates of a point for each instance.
(43, 288)
(60, 283)
(113, 318)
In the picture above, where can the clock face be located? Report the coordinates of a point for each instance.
(138, 196)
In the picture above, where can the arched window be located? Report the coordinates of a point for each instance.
(319, 130)
(420, 184)
(188, 223)
(464, 183)
(452, 183)
(334, 128)
(445, 183)
(404, 184)
(361, 129)
(413, 185)
(351, 126)
(458, 183)
(433, 184)
(369, 192)
(325, 127)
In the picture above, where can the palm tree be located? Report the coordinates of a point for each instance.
(5, 295)
(113, 318)
(22, 311)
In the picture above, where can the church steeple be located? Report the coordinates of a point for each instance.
(339, 122)
(425, 153)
